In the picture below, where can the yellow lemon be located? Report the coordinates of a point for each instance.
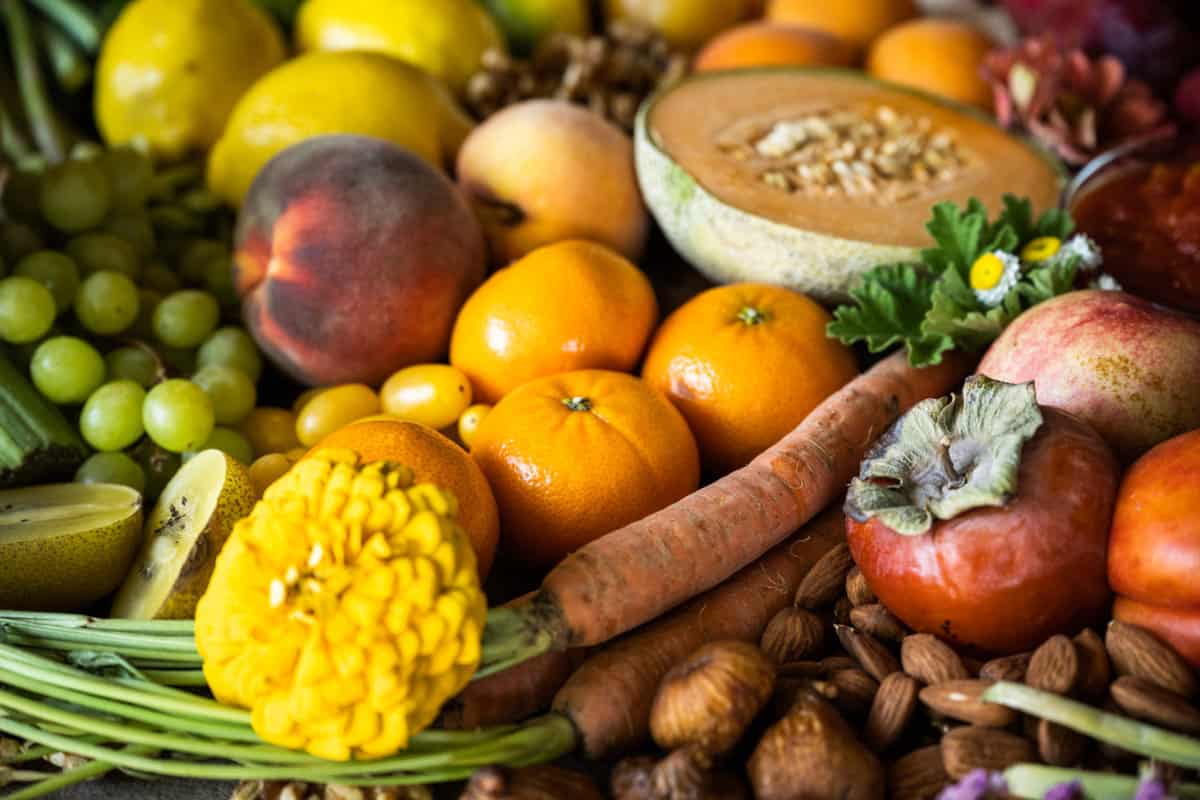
(170, 71)
(320, 93)
(686, 24)
(446, 38)
(527, 23)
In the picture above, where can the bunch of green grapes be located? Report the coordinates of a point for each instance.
(116, 293)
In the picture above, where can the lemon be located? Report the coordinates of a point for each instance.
(64, 546)
(320, 93)
(184, 533)
(527, 23)
(446, 38)
(170, 71)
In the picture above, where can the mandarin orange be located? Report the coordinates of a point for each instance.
(857, 22)
(567, 306)
(940, 56)
(766, 44)
(745, 363)
(433, 458)
(576, 455)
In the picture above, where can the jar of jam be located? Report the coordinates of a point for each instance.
(1141, 204)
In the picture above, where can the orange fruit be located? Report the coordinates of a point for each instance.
(940, 56)
(857, 22)
(435, 459)
(766, 44)
(574, 456)
(566, 306)
(745, 363)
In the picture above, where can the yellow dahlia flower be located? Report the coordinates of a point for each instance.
(345, 610)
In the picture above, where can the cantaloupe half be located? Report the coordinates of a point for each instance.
(720, 215)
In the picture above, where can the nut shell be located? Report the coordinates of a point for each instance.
(793, 634)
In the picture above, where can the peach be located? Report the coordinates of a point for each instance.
(353, 256)
(543, 171)
(1129, 368)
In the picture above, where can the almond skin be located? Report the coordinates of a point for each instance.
(858, 590)
(1006, 668)
(973, 747)
(1054, 666)
(930, 660)
(876, 620)
(855, 691)
(1138, 652)
(919, 775)
(793, 634)
(1094, 667)
(1140, 698)
(826, 580)
(963, 700)
(1059, 746)
(892, 710)
(868, 651)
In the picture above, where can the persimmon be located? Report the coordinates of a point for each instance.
(765, 44)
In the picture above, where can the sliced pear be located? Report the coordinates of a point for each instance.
(64, 546)
(184, 533)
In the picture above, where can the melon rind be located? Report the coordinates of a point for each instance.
(728, 245)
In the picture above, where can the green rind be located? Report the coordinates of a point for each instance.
(37, 444)
(727, 244)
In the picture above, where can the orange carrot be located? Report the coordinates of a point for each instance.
(634, 574)
(608, 699)
(512, 695)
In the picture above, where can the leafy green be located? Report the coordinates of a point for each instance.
(930, 306)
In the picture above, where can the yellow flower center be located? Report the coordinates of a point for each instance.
(1040, 249)
(986, 272)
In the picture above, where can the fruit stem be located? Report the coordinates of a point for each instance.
(73, 19)
(29, 81)
(578, 403)
(1136, 737)
(70, 65)
(1033, 781)
(752, 316)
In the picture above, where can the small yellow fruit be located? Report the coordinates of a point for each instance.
(305, 396)
(334, 408)
(268, 469)
(270, 430)
(431, 394)
(686, 24)
(470, 421)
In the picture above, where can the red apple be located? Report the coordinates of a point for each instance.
(1018, 566)
(1128, 368)
(1154, 549)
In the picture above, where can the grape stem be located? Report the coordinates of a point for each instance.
(30, 83)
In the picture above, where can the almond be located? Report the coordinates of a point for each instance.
(868, 651)
(793, 634)
(891, 711)
(1095, 671)
(1054, 666)
(973, 747)
(855, 691)
(857, 589)
(1140, 698)
(841, 611)
(1059, 746)
(930, 660)
(918, 775)
(876, 620)
(1006, 668)
(963, 700)
(1138, 652)
(800, 669)
(825, 581)
(832, 664)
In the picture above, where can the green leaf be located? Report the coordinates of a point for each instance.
(1018, 215)
(890, 302)
(967, 327)
(1055, 222)
(1043, 283)
(959, 235)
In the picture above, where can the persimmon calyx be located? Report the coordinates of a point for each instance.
(947, 456)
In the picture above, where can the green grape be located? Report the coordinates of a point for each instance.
(143, 326)
(133, 227)
(107, 303)
(112, 468)
(232, 393)
(130, 173)
(137, 364)
(228, 441)
(233, 347)
(112, 416)
(56, 271)
(186, 318)
(218, 279)
(66, 370)
(178, 415)
(20, 195)
(75, 196)
(104, 252)
(27, 309)
(157, 277)
(193, 260)
(18, 240)
(159, 466)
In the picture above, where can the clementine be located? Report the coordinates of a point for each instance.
(576, 455)
(939, 56)
(857, 23)
(566, 306)
(435, 459)
(745, 363)
(765, 44)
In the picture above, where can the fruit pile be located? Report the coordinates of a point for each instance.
(449, 388)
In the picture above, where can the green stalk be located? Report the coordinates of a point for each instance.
(29, 81)
(1136, 737)
(71, 67)
(99, 636)
(182, 627)
(193, 678)
(1034, 780)
(12, 142)
(510, 638)
(74, 19)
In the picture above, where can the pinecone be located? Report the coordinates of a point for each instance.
(1075, 105)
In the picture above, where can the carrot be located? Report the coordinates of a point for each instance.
(512, 695)
(634, 574)
(608, 699)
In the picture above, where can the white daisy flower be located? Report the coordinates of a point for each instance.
(993, 275)
(1106, 282)
(1083, 246)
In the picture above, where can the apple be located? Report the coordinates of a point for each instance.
(1128, 368)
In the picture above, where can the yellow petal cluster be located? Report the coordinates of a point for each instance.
(345, 610)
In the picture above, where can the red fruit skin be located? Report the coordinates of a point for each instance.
(352, 258)
(1002, 580)
(1178, 627)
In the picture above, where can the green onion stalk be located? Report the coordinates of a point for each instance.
(123, 693)
(1033, 781)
